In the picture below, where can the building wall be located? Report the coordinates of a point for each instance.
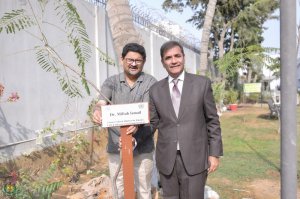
(41, 98)
(298, 74)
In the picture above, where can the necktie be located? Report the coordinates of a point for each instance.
(175, 96)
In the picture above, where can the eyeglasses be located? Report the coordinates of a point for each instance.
(130, 61)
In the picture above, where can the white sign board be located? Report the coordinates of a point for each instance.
(252, 88)
(125, 114)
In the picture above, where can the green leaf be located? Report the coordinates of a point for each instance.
(77, 35)
(251, 56)
(15, 20)
(48, 60)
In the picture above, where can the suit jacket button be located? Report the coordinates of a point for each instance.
(178, 125)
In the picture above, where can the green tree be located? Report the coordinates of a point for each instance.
(31, 20)
(241, 58)
(242, 27)
(236, 23)
(207, 24)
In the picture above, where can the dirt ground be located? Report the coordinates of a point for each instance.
(267, 189)
(92, 162)
(74, 167)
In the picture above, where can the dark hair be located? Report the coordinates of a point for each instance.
(168, 45)
(134, 47)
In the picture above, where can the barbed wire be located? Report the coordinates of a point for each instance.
(156, 21)
(98, 2)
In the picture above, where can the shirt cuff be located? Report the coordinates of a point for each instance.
(135, 143)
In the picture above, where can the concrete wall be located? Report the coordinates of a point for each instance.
(298, 74)
(41, 99)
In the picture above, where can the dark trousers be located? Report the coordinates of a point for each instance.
(180, 185)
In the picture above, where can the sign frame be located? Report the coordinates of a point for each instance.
(125, 114)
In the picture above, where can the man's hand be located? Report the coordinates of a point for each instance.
(97, 116)
(133, 143)
(132, 130)
(214, 163)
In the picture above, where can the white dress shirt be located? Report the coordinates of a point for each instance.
(179, 84)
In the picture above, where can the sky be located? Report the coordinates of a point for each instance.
(271, 35)
(179, 18)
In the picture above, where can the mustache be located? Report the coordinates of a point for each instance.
(133, 67)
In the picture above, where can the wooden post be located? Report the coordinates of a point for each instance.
(127, 161)
(92, 148)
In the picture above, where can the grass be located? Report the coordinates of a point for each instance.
(251, 152)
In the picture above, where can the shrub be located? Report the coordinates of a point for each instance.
(253, 98)
(218, 92)
(231, 97)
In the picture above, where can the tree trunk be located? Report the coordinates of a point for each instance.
(205, 35)
(254, 78)
(221, 41)
(249, 75)
(231, 39)
(212, 68)
(121, 24)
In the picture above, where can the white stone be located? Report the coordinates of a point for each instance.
(210, 194)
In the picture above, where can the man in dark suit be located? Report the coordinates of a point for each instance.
(189, 141)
